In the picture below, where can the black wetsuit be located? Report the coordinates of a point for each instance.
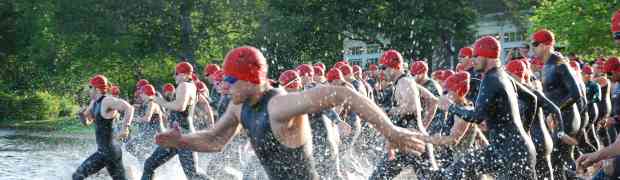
(354, 121)
(537, 128)
(279, 161)
(163, 154)
(389, 169)
(109, 153)
(224, 100)
(593, 93)
(604, 108)
(560, 85)
(510, 154)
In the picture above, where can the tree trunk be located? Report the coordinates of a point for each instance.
(187, 47)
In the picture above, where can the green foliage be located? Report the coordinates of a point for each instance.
(67, 107)
(39, 106)
(582, 27)
(8, 104)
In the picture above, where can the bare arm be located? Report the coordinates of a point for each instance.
(283, 107)
(112, 103)
(456, 134)
(431, 103)
(210, 140)
(182, 93)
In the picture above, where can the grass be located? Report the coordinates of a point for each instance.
(62, 124)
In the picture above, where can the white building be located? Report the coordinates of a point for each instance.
(360, 53)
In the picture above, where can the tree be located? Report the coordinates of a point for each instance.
(579, 26)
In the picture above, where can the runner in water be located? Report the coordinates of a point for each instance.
(510, 154)
(276, 121)
(606, 135)
(147, 125)
(102, 110)
(210, 73)
(466, 58)
(324, 135)
(137, 100)
(561, 86)
(456, 136)
(533, 116)
(610, 155)
(357, 75)
(593, 94)
(404, 105)
(181, 114)
(203, 112)
(586, 144)
(419, 70)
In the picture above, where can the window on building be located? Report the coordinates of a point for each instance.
(374, 49)
(373, 61)
(357, 50)
(355, 62)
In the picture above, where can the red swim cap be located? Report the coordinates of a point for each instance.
(466, 52)
(168, 88)
(333, 74)
(290, 79)
(148, 90)
(305, 70)
(487, 46)
(615, 22)
(544, 36)
(200, 86)
(612, 65)
(419, 67)
(115, 90)
(373, 67)
(246, 63)
(436, 73)
(392, 58)
(345, 69)
(184, 68)
(517, 68)
(218, 75)
(575, 65)
(587, 69)
(458, 83)
(319, 71)
(141, 83)
(445, 74)
(357, 70)
(100, 82)
(321, 65)
(194, 77)
(210, 69)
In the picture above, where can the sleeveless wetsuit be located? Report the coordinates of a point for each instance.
(109, 153)
(163, 154)
(510, 154)
(279, 161)
(593, 94)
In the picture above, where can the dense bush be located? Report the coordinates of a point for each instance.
(8, 104)
(68, 107)
(39, 106)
